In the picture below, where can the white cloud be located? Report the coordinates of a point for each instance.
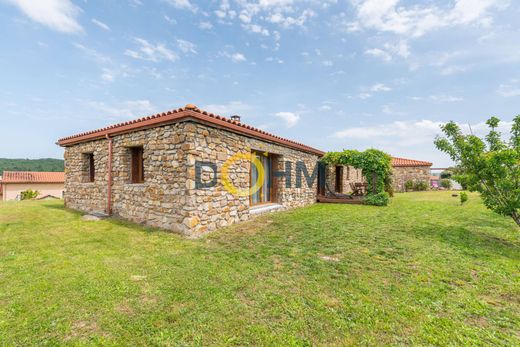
(100, 24)
(290, 118)
(136, 3)
(283, 13)
(254, 28)
(93, 54)
(325, 108)
(186, 46)
(108, 75)
(170, 20)
(231, 108)
(235, 57)
(151, 52)
(182, 4)
(438, 98)
(123, 109)
(238, 57)
(379, 53)
(417, 20)
(273, 59)
(205, 25)
(60, 15)
(389, 50)
(409, 133)
(327, 63)
(509, 90)
(380, 87)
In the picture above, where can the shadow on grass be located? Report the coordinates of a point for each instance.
(469, 239)
(55, 207)
(114, 220)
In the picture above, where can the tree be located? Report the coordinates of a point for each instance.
(490, 166)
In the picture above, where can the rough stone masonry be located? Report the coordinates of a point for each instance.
(168, 198)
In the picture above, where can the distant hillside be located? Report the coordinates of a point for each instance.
(48, 164)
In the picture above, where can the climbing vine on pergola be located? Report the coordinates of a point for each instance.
(375, 165)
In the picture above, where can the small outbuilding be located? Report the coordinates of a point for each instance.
(13, 183)
(409, 170)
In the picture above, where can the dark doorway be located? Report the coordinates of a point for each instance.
(339, 179)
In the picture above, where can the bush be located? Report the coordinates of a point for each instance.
(446, 183)
(408, 185)
(446, 174)
(463, 197)
(29, 194)
(421, 185)
(381, 199)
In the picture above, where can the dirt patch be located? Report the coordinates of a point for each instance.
(83, 329)
(125, 308)
(478, 321)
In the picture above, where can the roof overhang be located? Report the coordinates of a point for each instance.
(185, 114)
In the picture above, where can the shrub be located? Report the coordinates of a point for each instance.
(421, 185)
(463, 197)
(381, 199)
(446, 174)
(446, 183)
(408, 185)
(29, 194)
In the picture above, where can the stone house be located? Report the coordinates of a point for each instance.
(409, 170)
(13, 183)
(186, 170)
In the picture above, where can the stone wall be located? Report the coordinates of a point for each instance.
(79, 193)
(350, 175)
(413, 173)
(215, 207)
(169, 198)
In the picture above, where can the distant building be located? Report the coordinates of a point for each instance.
(409, 170)
(13, 183)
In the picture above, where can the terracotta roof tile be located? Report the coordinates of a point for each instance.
(403, 162)
(33, 177)
(188, 112)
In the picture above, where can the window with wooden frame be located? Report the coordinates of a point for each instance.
(136, 165)
(90, 168)
(265, 194)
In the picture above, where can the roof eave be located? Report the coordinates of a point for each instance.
(184, 116)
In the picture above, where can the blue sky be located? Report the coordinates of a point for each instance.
(333, 74)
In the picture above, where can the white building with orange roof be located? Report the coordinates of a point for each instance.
(13, 183)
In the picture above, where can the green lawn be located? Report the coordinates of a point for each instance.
(424, 271)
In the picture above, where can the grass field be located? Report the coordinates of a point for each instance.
(423, 271)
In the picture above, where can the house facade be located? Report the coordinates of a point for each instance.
(187, 170)
(404, 170)
(13, 183)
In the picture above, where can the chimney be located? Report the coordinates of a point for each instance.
(235, 118)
